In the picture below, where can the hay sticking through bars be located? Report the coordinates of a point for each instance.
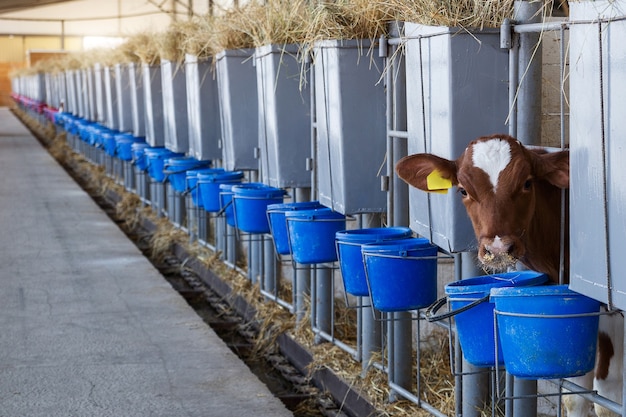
(145, 47)
(471, 14)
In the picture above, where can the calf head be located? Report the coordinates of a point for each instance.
(512, 196)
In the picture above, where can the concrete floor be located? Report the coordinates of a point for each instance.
(88, 327)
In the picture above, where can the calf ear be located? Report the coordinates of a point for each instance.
(415, 169)
(554, 168)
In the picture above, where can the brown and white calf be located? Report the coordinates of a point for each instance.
(513, 198)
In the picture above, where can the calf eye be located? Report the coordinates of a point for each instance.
(528, 184)
(463, 191)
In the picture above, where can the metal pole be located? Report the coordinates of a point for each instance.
(371, 324)
(323, 300)
(529, 75)
(529, 133)
(269, 266)
(301, 276)
(401, 327)
(475, 383)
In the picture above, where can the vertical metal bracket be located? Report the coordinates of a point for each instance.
(506, 34)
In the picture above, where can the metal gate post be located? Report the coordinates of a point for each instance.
(269, 265)
(475, 389)
(400, 329)
(528, 82)
(301, 276)
(371, 326)
(323, 300)
(527, 129)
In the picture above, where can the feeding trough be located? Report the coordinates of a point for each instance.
(349, 116)
(349, 243)
(250, 203)
(401, 274)
(284, 116)
(153, 105)
(278, 223)
(209, 185)
(546, 332)
(236, 81)
(473, 313)
(312, 234)
(202, 109)
(175, 120)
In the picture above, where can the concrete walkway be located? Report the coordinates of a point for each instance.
(88, 327)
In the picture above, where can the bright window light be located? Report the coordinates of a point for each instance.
(91, 42)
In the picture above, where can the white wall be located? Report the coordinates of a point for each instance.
(83, 17)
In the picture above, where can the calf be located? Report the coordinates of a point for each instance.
(512, 195)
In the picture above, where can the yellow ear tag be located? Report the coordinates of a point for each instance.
(438, 184)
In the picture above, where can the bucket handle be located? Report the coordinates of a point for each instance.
(434, 307)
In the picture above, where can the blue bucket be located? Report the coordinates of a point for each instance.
(176, 168)
(209, 188)
(474, 326)
(83, 130)
(278, 224)
(349, 244)
(192, 183)
(124, 143)
(156, 161)
(312, 234)
(401, 274)
(108, 141)
(546, 332)
(226, 202)
(139, 157)
(250, 202)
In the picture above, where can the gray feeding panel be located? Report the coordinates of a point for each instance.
(153, 105)
(597, 152)
(70, 85)
(90, 97)
(135, 81)
(284, 117)
(351, 126)
(203, 110)
(175, 120)
(122, 88)
(236, 81)
(110, 94)
(457, 91)
(99, 92)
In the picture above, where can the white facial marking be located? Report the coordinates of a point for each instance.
(492, 156)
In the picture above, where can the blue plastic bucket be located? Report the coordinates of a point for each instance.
(312, 234)
(475, 326)
(349, 244)
(278, 224)
(192, 183)
(156, 160)
(83, 130)
(209, 188)
(226, 202)
(139, 157)
(124, 143)
(108, 141)
(541, 334)
(401, 274)
(250, 202)
(176, 169)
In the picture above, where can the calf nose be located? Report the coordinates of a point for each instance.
(498, 247)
